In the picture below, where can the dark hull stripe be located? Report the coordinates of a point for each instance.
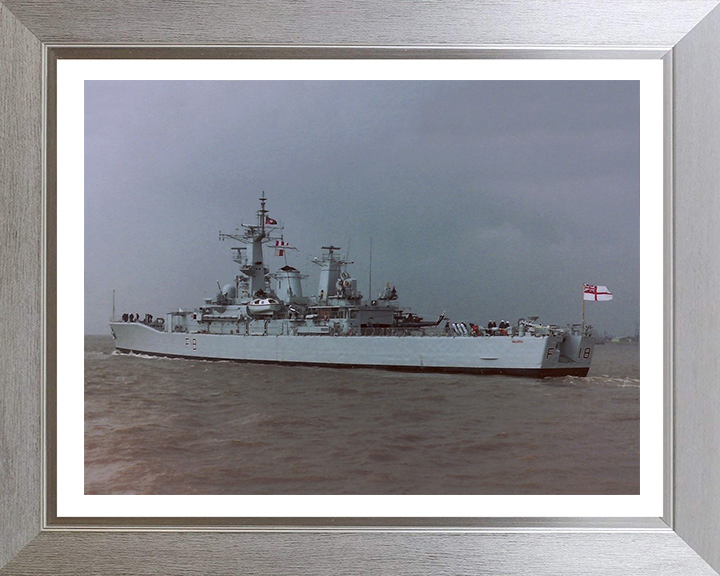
(527, 372)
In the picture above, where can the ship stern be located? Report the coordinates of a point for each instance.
(575, 354)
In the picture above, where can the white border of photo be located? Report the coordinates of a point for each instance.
(71, 500)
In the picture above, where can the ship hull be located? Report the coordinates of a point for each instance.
(532, 356)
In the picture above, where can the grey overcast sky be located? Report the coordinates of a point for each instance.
(483, 199)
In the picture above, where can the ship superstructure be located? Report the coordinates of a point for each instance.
(264, 317)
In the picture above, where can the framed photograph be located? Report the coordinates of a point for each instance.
(127, 152)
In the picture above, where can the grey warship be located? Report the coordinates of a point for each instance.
(263, 316)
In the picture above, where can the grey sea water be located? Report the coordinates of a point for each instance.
(172, 426)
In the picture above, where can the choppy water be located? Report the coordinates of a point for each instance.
(161, 426)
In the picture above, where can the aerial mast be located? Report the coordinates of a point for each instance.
(370, 272)
(262, 213)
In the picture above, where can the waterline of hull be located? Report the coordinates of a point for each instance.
(524, 372)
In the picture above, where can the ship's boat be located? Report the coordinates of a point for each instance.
(265, 317)
(264, 307)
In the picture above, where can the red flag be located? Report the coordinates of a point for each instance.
(280, 247)
(269, 220)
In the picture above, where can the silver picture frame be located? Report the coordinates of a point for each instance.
(684, 34)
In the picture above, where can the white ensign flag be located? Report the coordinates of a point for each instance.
(596, 293)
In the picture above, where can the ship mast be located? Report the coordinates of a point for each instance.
(254, 268)
(330, 268)
(262, 213)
